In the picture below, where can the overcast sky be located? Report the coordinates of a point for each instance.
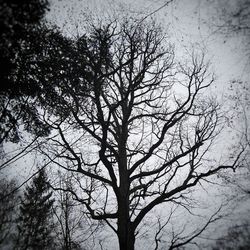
(191, 25)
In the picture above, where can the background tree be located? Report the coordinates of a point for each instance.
(8, 209)
(20, 22)
(72, 232)
(44, 51)
(35, 223)
(142, 134)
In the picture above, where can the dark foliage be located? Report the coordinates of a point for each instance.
(7, 211)
(40, 61)
(60, 67)
(19, 22)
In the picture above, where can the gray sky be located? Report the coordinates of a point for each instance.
(190, 27)
(190, 23)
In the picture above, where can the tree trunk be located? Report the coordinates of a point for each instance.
(125, 232)
(126, 242)
(125, 228)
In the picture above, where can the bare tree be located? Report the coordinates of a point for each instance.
(142, 135)
(71, 220)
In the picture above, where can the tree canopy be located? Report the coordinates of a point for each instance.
(136, 125)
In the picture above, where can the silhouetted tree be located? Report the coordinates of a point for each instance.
(19, 26)
(35, 223)
(8, 211)
(142, 134)
(68, 217)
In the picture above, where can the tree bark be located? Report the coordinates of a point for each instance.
(125, 230)
(126, 240)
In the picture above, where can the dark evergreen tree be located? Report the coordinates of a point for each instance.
(20, 24)
(35, 222)
(8, 207)
(19, 20)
